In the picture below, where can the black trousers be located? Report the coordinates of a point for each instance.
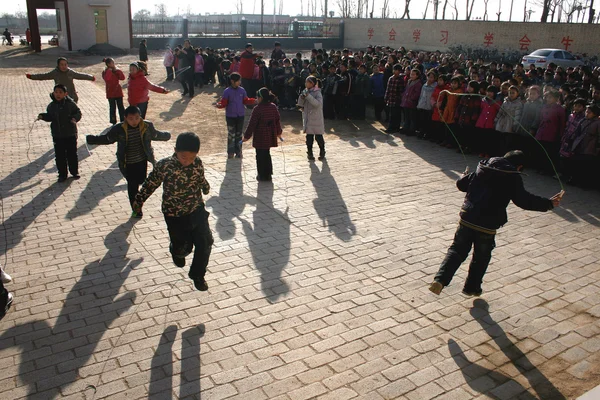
(264, 164)
(191, 232)
(114, 104)
(143, 108)
(379, 105)
(3, 299)
(358, 107)
(423, 121)
(464, 239)
(187, 82)
(329, 106)
(395, 117)
(135, 174)
(310, 139)
(170, 73)
(199, 79)
(410, 119)
(65, 150)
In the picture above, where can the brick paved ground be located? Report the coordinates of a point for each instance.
(318, 283)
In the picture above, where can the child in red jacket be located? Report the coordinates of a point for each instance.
(485, 135)
(265, 126)
(114, 93)
(137, 88)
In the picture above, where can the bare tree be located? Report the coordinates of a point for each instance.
(406, 10)
(345, 7)
(592, 13)
(499, 8)
(444, 9)
(280, 7)
(372, 9)
(385, 10)
(160, 10)
(470, 9)
(546, 10)
(426, 8)
(485, 9)
(141, 14)
(455, 12)
(436, 7)
(239, 7)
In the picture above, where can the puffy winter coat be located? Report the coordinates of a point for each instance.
(489, 190)
(587, 140)
(118, 133)
(63, 78)
(169, 59)
(507, 119)
(312, 114)
(411, 94)
(451, 104)
(60, 114)
(111, 79)
(199, 66)
(489, 110)
(552, 123)
(530, 117)
(434, 99)
(138, 87)
(264, 126)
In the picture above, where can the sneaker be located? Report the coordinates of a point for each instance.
(436, 287)
(4, 277)
(321, 157)
(310, 156)
(471, 293)
(230, 155)
(239, 156)
(62, 178)
(179, 261)
(76, 177)
(200, 284)
(137, 214)
(9, 301)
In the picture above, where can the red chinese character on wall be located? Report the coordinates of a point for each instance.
(445, 36)
(392, 34)
(524, 42)
(488, 39)
(417, 35)
(567, 42)
(370, 32)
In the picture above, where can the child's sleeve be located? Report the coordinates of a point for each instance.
(157, 135)
(155, 88)
(205, 186)
(82, 76)
(252, 124)
(224, 100)
(152, 182)
(110, 138)
(46, 116)
(75, 112)
(43, 77)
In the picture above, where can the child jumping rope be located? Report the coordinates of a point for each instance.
(265, 128)
(233, 100)
(311, 100)
(134, 149)
(182, 177)
(114, 93)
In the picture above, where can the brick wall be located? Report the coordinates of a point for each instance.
(440, 35)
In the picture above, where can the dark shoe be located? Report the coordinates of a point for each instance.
(184, 93)
(436, 287)
(9, 301)
(62, 178)
(179, 261)
(471, 293)
(200, 284)
(137, 215)
(321, 156)
(76, 177)
(310, 155)
(230, 155)
(239, 156)
(391, 130)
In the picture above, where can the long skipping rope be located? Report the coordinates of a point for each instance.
(514, 120)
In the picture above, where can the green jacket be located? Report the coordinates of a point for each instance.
(64, 78)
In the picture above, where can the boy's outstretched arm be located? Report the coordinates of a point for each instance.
(110, 138)
(152, 182)
(157, 135)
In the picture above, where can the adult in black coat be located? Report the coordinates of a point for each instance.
(187, 62)
(489, 189)
(143, 51)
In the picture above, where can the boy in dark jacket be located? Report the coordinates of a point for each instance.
(134, 149)
(182, 177)
(489, 189)
(63, 115)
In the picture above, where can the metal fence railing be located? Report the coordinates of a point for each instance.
(157, 27)
(213, 28)
(270, 28)
(254, 28)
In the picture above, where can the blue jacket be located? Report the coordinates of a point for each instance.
(377, 86)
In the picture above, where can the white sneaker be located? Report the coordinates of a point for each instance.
(4, 277)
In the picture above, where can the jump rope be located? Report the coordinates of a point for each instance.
(460, 147)
(173, 283)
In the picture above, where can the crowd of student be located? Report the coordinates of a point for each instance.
(487, 108)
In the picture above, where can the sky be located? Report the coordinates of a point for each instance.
(293, 7)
